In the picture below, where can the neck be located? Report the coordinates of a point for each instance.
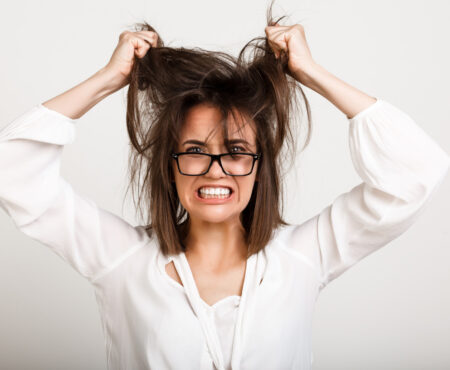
(216, 247)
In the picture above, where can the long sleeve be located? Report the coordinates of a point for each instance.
(401, 168)
(45, 207)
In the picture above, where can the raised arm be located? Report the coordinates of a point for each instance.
(40, 202)
(75, 102)
(348, 99)
(400, 165)
(290, 42)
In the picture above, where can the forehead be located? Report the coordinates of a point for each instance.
(202, 119)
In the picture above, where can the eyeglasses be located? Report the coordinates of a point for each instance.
(232, 164)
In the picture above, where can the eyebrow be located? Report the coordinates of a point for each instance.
(232, 141)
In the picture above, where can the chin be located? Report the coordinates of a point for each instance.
(215, 218)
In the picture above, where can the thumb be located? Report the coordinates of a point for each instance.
(141, 48)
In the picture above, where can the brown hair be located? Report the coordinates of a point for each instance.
(165, 84)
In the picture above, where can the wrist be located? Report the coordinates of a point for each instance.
(309, 74)
(109, 80)
(345, 97)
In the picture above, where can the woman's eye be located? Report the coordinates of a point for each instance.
(192, 147)
(240, 148)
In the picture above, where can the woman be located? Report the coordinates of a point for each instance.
(216, 279)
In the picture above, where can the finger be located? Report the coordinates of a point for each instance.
(276, 35)
(276, 27)
(140, 46)
(270, 29)
(275, 51)
(278, 44)
(149, 36)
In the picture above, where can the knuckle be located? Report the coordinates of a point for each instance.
(128, 36)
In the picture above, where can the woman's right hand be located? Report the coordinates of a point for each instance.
(130, 44)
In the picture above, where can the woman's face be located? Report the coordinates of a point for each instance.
(201, 120)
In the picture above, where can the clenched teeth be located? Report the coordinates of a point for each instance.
(214, 191)
(220, 193)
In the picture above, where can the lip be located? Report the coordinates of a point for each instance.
(214, 201)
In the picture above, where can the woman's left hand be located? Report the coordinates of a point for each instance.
(292, 41)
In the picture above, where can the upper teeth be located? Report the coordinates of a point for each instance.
(215, 190)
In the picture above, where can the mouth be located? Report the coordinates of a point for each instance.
(214, 196)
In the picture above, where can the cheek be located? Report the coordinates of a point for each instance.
(246, 189)
(184, 188)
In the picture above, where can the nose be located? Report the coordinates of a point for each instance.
(215, 170)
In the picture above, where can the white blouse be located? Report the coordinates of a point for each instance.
(152, 322)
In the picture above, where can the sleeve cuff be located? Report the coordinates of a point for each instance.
(41, 124)
(367, 110)
(57, 114)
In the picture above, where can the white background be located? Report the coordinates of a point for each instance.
(390, 311)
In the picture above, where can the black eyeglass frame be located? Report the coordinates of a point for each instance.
(216, 157)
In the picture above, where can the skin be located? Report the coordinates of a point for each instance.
(215, 241)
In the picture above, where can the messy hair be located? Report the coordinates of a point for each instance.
(165, 84)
